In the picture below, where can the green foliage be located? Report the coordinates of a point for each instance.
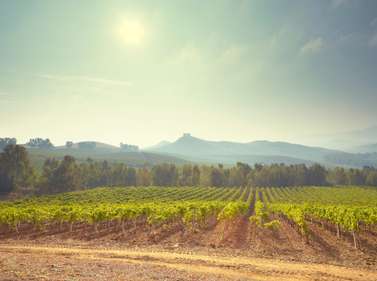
(261, 217)
(4, 142)
(260, 214)
(233, 210)
(348, 218)
(295, 213)
(15, 169)
(40, 143)
(195, 207)
(164, 175)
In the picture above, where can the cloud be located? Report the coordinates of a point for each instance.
(338, 3)
(313, 46)
(373, 41)
(6, 97)
(89, 79)
(373, 22)
(233, 54)
(188, 54)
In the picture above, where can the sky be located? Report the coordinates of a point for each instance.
(143, 71)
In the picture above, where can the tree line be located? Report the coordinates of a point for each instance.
(17, 174)
(47, 144)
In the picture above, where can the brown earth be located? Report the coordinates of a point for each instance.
(28, 262)
(223, 251)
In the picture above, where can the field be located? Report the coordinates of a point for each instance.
(301, 233)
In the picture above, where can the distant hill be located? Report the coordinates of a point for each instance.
(86, 145)
(192, 149)
(102, 152)
(348, 141)
(251, 159)
(251, 152)
(352, 159)
(368, 148)
(158, 145)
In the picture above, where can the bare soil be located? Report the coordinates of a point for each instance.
(29, 262)
(223, 251)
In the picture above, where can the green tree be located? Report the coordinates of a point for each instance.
(185, 178)
(371, 179)
(355, 177)
(131, 177)
(143, 177)
(164, 175)
(195, 176)
(40, 143)
(15, 169)
(337, 176)
(65, 177)
(4, 142)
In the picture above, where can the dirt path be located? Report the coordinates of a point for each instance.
(207, 267)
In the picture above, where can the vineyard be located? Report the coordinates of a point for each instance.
(343, 212)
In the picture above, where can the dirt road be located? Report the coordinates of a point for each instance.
(28, 262)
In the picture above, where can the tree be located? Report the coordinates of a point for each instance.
(164, 175)
(195, 176)
(355, 177)
(371, 179)
(131, 177)
(235, 177)
(185, 178)
(298, 175)
(105, 173)
(69, 144)
(244, 170)
(337, 176)
(143, 177)
(118, 174)
(128, 147)
(6, 141)
(48, 173)
(40, 143)
(62, 177)
(317, 175)
(217, 176)
(15, 169)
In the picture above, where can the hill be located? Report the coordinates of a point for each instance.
(85, 145)
(194, 148)
(350, 141)
(352, 159)
(102, 152)
(368, 148)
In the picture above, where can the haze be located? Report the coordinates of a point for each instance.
(143, 71)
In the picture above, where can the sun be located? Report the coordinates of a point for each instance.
(131, 32)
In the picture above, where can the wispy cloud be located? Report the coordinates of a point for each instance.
(89, 79)
(373, 41)
(338, 3)
(233, 54)
(188, 54)
(6, 97)
(4, 94)
(373, 22)
(313, 46)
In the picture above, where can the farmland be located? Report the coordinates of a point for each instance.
(336, 225)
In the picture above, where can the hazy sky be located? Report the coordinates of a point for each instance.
(143, 71)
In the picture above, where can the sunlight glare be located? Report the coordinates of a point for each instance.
(131, 32)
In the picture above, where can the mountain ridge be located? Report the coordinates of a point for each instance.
(188, 145)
